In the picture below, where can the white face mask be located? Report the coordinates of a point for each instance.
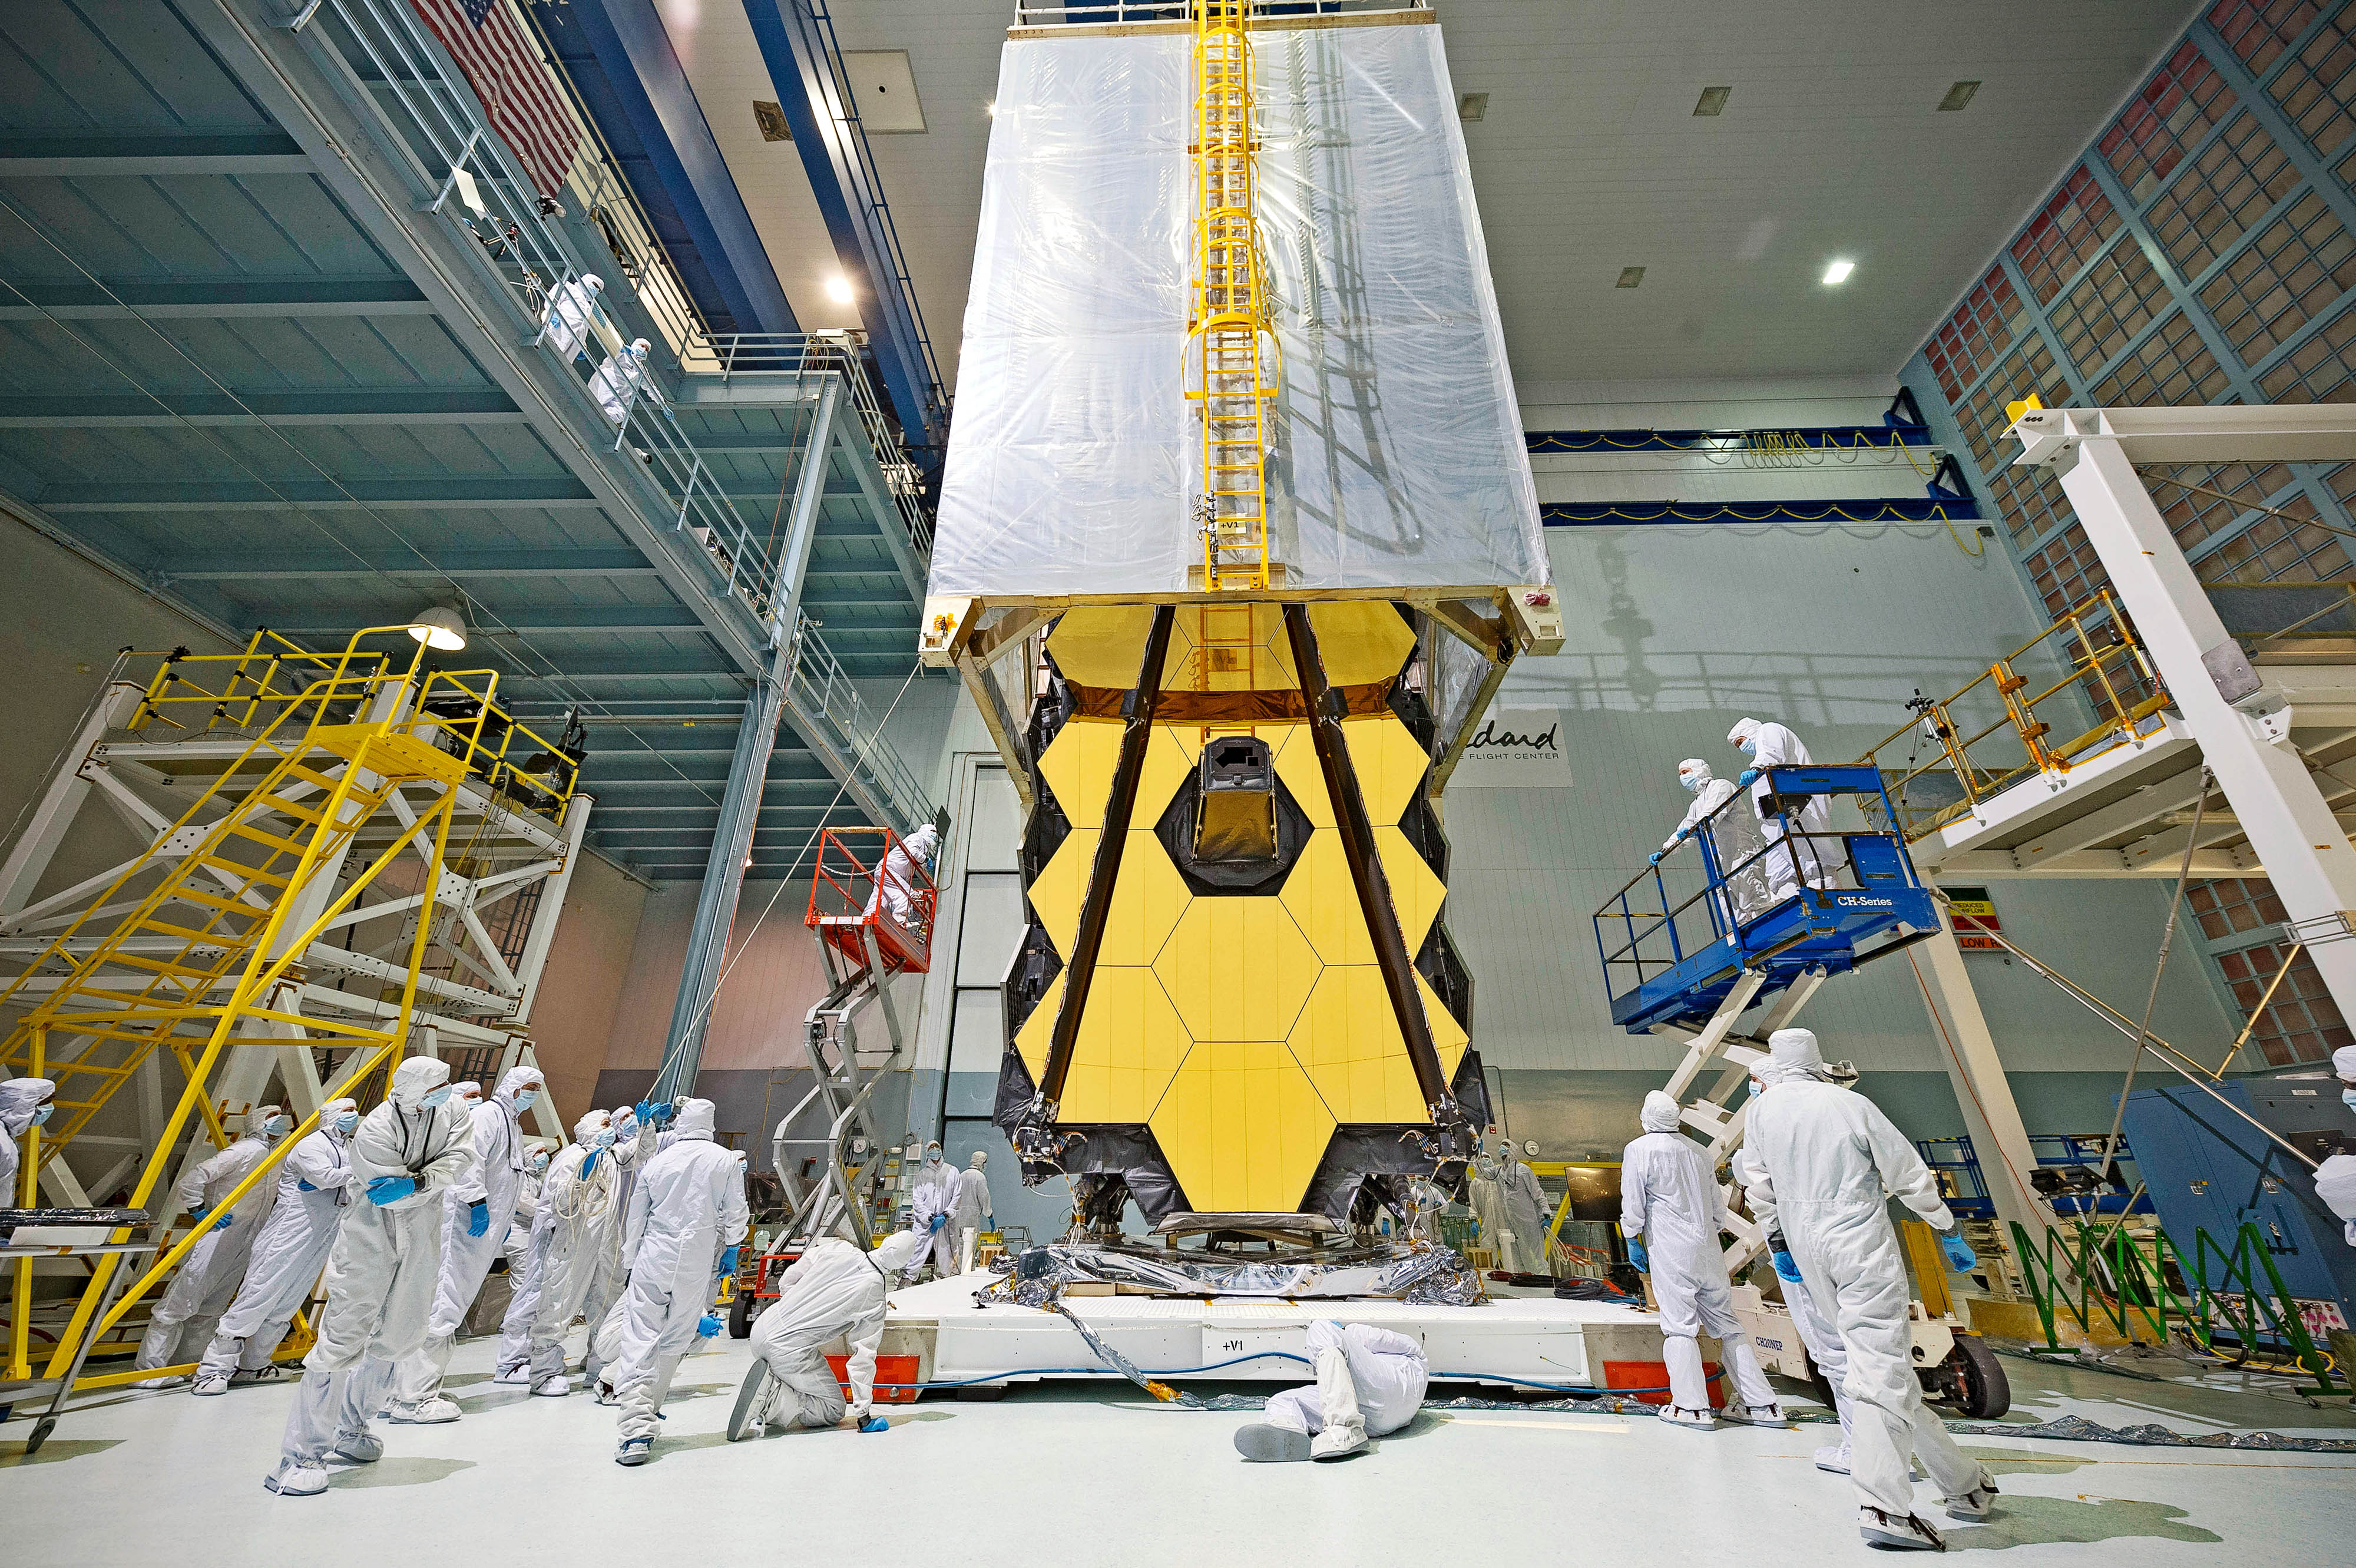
(603, 1138)
(42, 1115)
(1692, 781)
(436, 1099)
(348, 1122)
(525, 1100)
(278, 1126)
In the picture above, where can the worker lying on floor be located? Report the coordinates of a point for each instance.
(688, 1213)
(1830, 1160)
(834, 1291)
(1671, 1211)
(381, 1274)
(1370, 1382)
(185, 1321)
(313, 1189)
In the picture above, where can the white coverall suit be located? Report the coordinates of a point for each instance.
(313, 1192)
(1818, 1332)
(1370, 1382)
(1818, 858)
(1485, 1195)
(1734, 839)
(2335, 1184)
(527, 1243)
(1831, 1161)
(970, 1214)
(380, 1276)
(1670, 1199)
(191, 1312)
(20, 1100)
(635, 1142)
(618, 382)
(572, 315)
(688, 1205)
(833, 1290)
(1524, 1213)
(936, 1193)
(895, 886)
(499, 1158)
(579, 1222)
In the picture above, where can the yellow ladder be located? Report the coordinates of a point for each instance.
(1230, 307)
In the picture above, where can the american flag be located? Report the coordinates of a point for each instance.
(507, 76)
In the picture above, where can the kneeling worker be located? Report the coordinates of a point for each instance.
(1370, 1382)
(834, 1290)
(1671, 1211)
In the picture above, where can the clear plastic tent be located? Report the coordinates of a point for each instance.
(1396, 455)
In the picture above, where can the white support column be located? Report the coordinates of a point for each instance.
(2000, 1140)
(551, 907)
(2243, 727)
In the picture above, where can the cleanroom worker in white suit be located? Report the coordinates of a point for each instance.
(895, 887)
(475, 1213)
(24, 1104)
(381, 1274)
(1769, 745)
(191, 1312)
(313, 1190)
(1734, 839)
(1671, 1211)
(1818, 1332)
(580, 1222)
(688, 1213)
(1370, 1382)
(1830, 1163)
(834, 1291)
(971, 1214)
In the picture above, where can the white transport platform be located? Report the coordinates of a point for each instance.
(1532, 1337)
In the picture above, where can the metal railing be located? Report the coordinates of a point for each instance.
(795, 355)
(820, 693)
(1104, 12)
(1995, 732)
(428, 117)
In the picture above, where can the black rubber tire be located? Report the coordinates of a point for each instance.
(1987, 1393)
(740, 1314)
(41, 1429)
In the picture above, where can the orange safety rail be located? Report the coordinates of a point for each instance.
(848, 901)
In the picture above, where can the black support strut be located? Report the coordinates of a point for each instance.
(1365, 862)
(1080, 968)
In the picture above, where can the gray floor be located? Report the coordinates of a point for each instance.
(1102, 1476)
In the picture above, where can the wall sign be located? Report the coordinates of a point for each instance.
(1973, 913)
(1515, 748)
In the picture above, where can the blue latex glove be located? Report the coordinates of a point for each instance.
(222, 1223)
(1748, 776)
(1653, 858)
(1785, 1269)
(875, 1423)
(940, 1221)
(590, 1164)
(1637, 1257)
(1960, 1256)
(390, 1188)
(707, 1326)
(728, 1262)
(196, 1214)
(303, 1186)
(645, 1109)
(479, 1219)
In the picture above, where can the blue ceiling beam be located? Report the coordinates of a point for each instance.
(191, 494)
(629, 78)
(101, 154)
(492, 564)
(536, 620)
(796, 40)
(115, 297)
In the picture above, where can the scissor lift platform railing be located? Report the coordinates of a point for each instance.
(1686, 958)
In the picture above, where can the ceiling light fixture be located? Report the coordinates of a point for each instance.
(837, 289)
(440, 628)
(1712, 101)
(1957, 96)
(991, 108)
(1630, 277)
(1838, 272)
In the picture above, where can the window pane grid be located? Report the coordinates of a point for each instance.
(2171, 367)
(2283, 279)
(2274, 549)
(1983, 327)
(2193, 518)
(1982, 419)
(2321, 369)
(2317, 89)
(2234, 182)
(2031, 500)
(2175, 107)
(2260, 30)
(2120, 295)
(2072, 231)
(2230, 906)
(2067, 571)
(2301, 1024)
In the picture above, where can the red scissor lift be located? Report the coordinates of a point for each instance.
(865, 943)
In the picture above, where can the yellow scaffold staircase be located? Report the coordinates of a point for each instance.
(1230, 303)
(233, 897)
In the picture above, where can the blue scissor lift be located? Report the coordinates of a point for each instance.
(1694, 942)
